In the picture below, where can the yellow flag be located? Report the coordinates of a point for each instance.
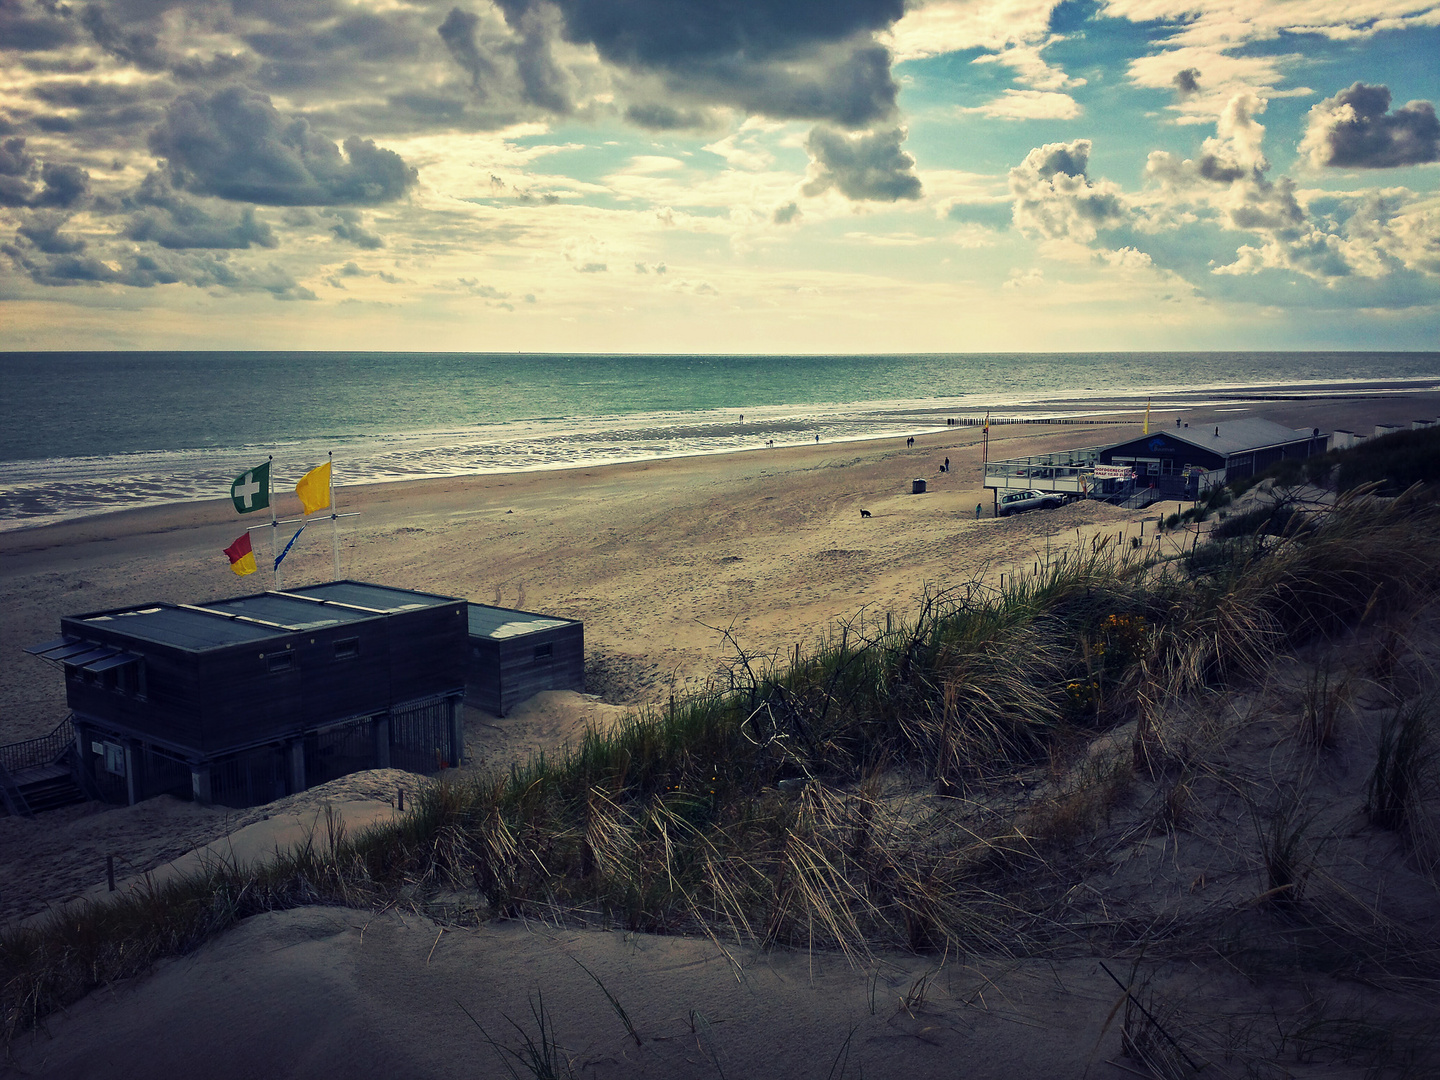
(314, 488)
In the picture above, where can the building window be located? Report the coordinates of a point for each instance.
(280, 662)
(347, 648)
(543, 652)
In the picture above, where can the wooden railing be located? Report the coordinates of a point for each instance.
(42, 751)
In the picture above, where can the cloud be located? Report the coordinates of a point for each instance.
(945, 26)
(524, 61)
(868, 166)
(26, 29)
(43, 231)
(785, 215)
(235, 145)
(147, 270)
(994, 214)
(658, 116)
(458, 34)
(1052, 196)
(1354, 130)
(1371, 236)
(349, 226)
(175, 221)
(1029, 105)
(1186, 81)
(24, 181)
(795, 59)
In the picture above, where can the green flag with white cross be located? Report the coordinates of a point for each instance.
(251, 489)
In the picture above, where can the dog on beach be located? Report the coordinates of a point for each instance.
(864, 513)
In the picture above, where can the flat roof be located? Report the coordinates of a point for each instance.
(1230, 436)
(377, 598)
(500, 623)
(261, 616)
(180, 627)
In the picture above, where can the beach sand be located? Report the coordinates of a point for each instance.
(673, 565)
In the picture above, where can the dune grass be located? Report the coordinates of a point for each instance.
(767, 810)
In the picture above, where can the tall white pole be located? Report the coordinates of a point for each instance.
(334, 521)
(274, 528)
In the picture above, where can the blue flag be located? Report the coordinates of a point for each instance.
(281, 557)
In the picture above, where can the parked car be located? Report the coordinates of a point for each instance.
(1018, 501)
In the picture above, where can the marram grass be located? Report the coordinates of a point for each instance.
(758, 812)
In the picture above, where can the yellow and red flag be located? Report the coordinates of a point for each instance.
(314, 488)
(241, 555)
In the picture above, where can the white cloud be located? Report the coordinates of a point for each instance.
(1030, 67)
(1028, 105)
(1054, 199)
(946, 26)
(1206, 37)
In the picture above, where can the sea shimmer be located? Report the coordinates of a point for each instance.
(84, 433)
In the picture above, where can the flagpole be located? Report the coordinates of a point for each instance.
(274, 526)
(334, 521)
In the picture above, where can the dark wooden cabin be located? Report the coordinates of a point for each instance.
(517, 654)
(244, 700)
(1183, 461)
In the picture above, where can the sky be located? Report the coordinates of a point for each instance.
(734, 176)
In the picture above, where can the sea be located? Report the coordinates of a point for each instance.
(89, 432)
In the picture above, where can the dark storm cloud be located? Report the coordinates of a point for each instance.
(540, 80)
(348, 226)
(870, 166)
(201, 269)
(674, 33)
(794, 59)
(139, 45)
(1186, 82)
(328, 42)
(25, 182)
(1354, 130)
(43, 231)
(33, 27)
(177, 222)
(458, 34)
(64, 185)
(849, 86)
(657, 116)
(235, 145)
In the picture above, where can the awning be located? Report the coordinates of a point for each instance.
(84, 655)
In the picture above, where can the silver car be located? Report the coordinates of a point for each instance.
(1018, 501)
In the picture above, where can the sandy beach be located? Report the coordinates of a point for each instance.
(672, 565)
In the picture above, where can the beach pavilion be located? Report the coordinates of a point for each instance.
(1185, 462)
(245, 700)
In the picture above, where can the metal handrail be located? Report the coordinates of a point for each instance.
(42, 751)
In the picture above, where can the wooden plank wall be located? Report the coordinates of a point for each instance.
(217, 700)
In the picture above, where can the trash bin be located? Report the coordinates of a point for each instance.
(917, 487)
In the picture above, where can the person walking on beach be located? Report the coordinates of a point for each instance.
(978, 508)
(947, 465)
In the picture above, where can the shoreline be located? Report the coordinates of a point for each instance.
(910, 417)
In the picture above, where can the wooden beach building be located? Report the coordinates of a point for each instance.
(517, 654)
(1185, 462)
(245, 700)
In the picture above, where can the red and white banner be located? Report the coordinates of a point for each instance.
(1114, 472)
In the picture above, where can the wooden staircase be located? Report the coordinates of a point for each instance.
(38, 775)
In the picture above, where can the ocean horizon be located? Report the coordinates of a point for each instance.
(87, 432)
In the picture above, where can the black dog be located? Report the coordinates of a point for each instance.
(864, 513)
